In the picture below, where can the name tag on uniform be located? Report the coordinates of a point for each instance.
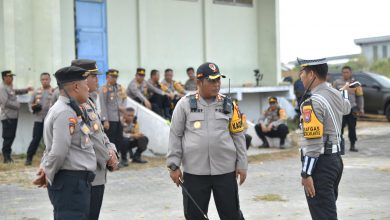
(84, 128)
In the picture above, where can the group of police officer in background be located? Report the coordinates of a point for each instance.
(77, 148)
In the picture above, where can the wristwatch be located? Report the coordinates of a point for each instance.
(304, 175)
(172, 167)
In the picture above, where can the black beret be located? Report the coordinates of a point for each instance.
(70, 74)
(208, 70)
(89, 65)
(112, 72)
(141, 71)
(7, 73)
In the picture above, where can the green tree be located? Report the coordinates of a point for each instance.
(381, 66)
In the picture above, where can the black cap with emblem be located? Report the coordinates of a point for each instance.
(70, 74)
(208, 70)
(7, 73)
(89, 65)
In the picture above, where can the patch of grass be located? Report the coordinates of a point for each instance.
(269, 198)
(384, 169)
(285, 154)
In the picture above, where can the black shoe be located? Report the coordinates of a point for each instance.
(8, 159)
(28, 162)
(353, 149)
(282, 146)
(138, 160)
(264, 145)
(123, 163)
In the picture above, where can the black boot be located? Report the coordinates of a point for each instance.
(138, 160)
(7, 158)
(282, 146)
(265, 143)
(28, 161)
(137, 157)
(353, 149)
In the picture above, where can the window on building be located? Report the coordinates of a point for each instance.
(235, 2)
(384, 51)
(375, 52)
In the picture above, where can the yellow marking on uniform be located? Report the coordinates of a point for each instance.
(312, 126)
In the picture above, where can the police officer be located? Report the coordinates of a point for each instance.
(112, 102)
(104, 150)
(41, 101)
(190, 84)
(140, 90)
(206, 138)
(274, 125)
(357, 104)
(69, 161)
(321, 118)
(9, 112)
(159, 100)
(171, 86)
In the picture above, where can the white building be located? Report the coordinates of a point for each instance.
(374, 48)
(45, 35)
(239, 35)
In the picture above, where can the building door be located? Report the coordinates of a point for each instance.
(91, 33)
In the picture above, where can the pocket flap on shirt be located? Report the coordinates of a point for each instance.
(196, 117)
(219, 115)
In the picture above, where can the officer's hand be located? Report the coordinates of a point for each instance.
(41, 180)
(171, 95)
(122, 109)
(30, 88)
(176, 176)
(113, 161)
(106, 125)
(147, 104)
(242, 174)
(270, 127)
(308, 184)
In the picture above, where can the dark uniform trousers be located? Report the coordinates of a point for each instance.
(97, 193)
(280, 132)
(36, 139)
(114, 134)
(70, 194)
(326, 178)
(128, 145)
(9, 132)
(248, 141)
(350, 120)
(225, 193)
(160, 105)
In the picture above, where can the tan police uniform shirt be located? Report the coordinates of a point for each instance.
(67, 146)
(8, 101)
(313, 147)
(101, 143)
(201, 140)
(275, 117)
(142, 90)
(44, 98)
(111, 98)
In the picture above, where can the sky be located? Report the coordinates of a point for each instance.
(312, 29)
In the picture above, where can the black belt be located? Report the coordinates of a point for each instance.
(87, 175)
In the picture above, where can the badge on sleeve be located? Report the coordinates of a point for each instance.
(312, 126)
(72, 125)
